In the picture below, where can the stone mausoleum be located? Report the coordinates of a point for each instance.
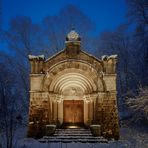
(73, 89)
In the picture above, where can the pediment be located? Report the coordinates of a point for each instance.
(81, 56)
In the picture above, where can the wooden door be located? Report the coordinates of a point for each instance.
(73, 111)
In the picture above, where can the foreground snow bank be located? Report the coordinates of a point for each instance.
(31, 143)
(130, 138)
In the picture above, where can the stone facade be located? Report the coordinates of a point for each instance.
(73, 74)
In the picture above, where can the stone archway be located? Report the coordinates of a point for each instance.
(73, 80)
(79, 69)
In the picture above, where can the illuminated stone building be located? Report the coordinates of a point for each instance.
(73, 88)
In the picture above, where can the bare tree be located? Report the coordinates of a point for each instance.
(23, 36)
(57, 27)
(138, 15)
(118, 42)
(138, 11)
(138, 106)
(7, 103)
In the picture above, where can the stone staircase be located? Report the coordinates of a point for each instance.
(73, 135)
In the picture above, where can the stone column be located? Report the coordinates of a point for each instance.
(41, 66)
(89, 111)
(52, 111)
(56, 110)
(32, 66)
(36, 66)
(49, 110)
(92, 110)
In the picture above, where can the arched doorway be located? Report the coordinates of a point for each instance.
(73, 85)
(73, 114)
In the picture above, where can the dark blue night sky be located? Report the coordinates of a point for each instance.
(107, 14)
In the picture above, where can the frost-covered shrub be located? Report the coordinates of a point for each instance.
(138, 105)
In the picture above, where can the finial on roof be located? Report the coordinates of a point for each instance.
(73, 36)
(73, 43)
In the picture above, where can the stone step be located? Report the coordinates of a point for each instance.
(74, 140)
(68, 133)
(74, 130)
(80, 129)
(73, 135)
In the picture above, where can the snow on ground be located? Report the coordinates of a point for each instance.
(26, 144)
(130, 138)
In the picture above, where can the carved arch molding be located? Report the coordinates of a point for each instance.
(75, 75)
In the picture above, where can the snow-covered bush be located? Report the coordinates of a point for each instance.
(138, 105)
